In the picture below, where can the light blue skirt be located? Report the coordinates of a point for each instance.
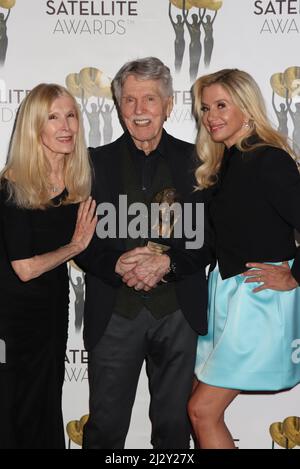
(253, 340)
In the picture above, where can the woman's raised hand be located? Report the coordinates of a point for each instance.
(85, 224)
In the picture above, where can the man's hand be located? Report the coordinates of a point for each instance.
(147, 268)
(122, 268)
(127, 268)
(273, 277)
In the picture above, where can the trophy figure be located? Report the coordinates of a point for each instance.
(167, 217)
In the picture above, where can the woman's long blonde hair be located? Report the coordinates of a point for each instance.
(245, 94)
(27, 170)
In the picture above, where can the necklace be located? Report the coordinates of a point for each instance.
(54, 189)
(56, 184)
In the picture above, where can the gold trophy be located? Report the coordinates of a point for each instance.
(164, 225)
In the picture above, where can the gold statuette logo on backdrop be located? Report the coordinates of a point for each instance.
(7, 5)
(287, 433)
(93, 88)
(195, 17)
(168, 214)
(286, 86)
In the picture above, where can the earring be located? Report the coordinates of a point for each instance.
(246, 125)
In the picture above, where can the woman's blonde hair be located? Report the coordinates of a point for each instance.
(27, 170)
(247, 96)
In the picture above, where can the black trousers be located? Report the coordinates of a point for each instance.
(168, 345)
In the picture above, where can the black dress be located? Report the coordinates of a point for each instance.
(33, 325)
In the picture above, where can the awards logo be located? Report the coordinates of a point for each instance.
(195, 17)
(286, 92)
(76, 362)
(92, 17)
(6, 5)
(182, 110)
(10, 101)
(93, 89)
(278, 16)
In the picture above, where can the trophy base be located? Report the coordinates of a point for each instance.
(157, 248)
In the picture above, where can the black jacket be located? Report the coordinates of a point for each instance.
(100, 258)
(255, 208)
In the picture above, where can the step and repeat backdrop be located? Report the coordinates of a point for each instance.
(81, 44)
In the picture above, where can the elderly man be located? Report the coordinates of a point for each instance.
(141, 304)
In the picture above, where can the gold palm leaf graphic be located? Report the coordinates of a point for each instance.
(276, 432)
(75, 429)
(7, 3)
(279, 86)
(291, 428)
(179, 4)
(292, 80)
(74, 85)
(209, 4)
(83, 420)
(95, 82)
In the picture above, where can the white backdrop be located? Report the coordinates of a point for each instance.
(50, 39)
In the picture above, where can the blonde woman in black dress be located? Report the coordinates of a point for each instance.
(47, 217)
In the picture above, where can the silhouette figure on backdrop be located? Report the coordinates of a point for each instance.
(179, 42)
(295, 115)
(3, 37)
(195, 48)
(209, 39)
(107, 126)
(78, 288)
(282, 116)
(93, 117)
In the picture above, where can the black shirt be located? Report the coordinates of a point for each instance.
(255, 208)
(146, 165)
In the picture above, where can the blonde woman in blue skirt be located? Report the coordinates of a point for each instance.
(250, 174)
